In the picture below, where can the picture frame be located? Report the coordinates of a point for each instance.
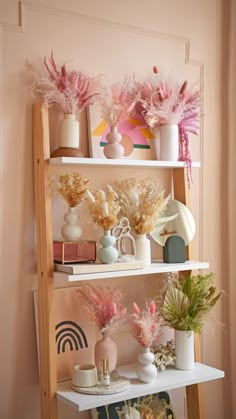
(160, 403)
(136, 139)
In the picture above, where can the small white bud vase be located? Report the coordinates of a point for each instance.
(169, 142)
(146, 370)
(108, 253)
(184, 350)
(69, 132)
(71, 231)
(142, 248)
(113, 149)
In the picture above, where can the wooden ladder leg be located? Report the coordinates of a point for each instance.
(194, 393)
(43, 211)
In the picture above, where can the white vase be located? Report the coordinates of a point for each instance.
(146, 370)
(169, 142)
(184, 350)
(68, 138)
(71, 231)
(142, 248)
(155, 143)
(108, 253)
(69, 132)
(113, 149)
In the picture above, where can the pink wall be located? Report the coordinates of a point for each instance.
(114, 38)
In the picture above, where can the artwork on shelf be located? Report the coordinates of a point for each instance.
(135, 139)
(75, 335)
(156, 405)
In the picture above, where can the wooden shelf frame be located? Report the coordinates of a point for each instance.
(45, 265)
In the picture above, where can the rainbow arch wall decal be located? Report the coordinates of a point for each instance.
(70, 335)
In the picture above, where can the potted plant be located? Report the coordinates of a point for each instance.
(186, 304)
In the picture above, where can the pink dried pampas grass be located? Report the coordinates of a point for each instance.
(117, 102)
(145, 325)
(72, 90)
(104, 306)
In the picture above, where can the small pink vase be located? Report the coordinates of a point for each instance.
(113, 149)
(106, 348)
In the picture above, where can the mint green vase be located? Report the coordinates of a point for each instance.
(107, 253)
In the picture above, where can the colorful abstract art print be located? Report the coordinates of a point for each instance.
(136, 139)
(75, 334)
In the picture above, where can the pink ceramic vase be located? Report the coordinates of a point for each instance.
(106, 347)
(113, 149)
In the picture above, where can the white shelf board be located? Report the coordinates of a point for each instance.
(154, 268)
(166, 380)
(119, 162)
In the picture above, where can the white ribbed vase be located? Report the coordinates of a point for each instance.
(184, 350)
(146, 370)
(169, 142)
(71, 231)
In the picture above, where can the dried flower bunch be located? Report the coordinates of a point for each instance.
(145, 324)
(142, 202)
(186, 302)
(104, 306)
(72, 90)
(117, 102)
(165, 103)
(164, 355)
(103, 207)
(71, 187)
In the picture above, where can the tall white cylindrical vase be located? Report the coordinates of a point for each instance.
(184, 350)
(142, 248)
(155, 143)
(169, 142)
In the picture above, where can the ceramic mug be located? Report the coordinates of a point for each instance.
(85, 375)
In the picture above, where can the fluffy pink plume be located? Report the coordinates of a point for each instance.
(117, 102)
(104, 305)
(72, 90)
(163, 103)
(145, 325)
